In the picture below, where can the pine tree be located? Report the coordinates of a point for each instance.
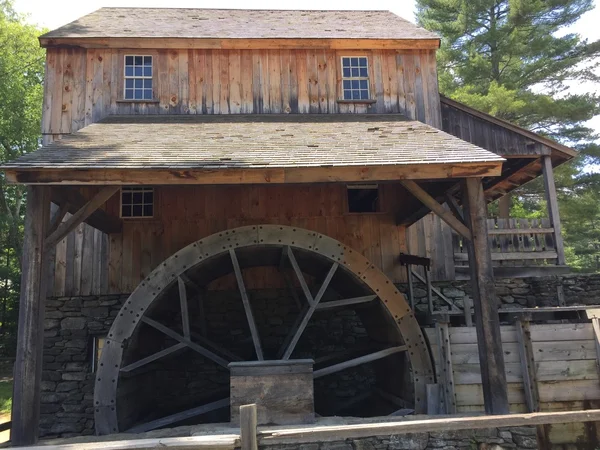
(512, 59)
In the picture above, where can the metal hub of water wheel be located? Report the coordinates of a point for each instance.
(160, 323)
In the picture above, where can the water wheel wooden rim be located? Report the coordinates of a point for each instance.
(173, 270)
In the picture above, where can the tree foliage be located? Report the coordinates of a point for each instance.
(514, 60)
(21, 93)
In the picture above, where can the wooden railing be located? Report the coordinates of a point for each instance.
(515, 242)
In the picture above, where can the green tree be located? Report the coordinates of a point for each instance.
(21, 94)
(512, 59)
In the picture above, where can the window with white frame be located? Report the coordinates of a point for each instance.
(138, 77)
(355, 78)
(137, 202)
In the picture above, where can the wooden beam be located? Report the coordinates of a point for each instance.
(299, 276)
(57, 218)
(242, 43)
(247, 306)
(436, 290)
(326, 174)
(512, 256)
(180, 416)
(346, 302)
(155, 356)
(30, 334)
(487, 321)
(99, 219)
(552, 202)
(197, 348)
(248, 421)
(434, 401)
(454, 206)
(298, 329)
(445, 370)
(183, 302)
(596, 327)
(65, 228)
(447, 216)
(358, 361)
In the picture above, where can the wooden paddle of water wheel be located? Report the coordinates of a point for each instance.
(166, 355)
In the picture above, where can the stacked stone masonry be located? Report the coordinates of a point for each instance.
(578, 289)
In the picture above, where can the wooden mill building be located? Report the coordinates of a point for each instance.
(218, 187)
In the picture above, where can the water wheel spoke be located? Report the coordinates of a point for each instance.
(178, 417)
(247, 307)
(197, 348)
(346, 302)
(358, 361)
(216, 347)
(298, 329)
(287, 280)
(185, 317)
(153, 357)
(299, 275)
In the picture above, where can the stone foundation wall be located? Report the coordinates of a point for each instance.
(518, 438)
(578, 289)
(67, 378)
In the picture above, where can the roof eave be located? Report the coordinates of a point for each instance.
(275, 175)
(239, 43)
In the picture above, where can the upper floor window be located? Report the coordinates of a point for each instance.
(137, 202)
(138, 77)
(355, 77)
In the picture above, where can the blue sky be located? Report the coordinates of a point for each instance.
(54, 13)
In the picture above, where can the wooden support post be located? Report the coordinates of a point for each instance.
(411, 295)
(429, 293)
(485, 302)
(433, 400)
(446, 378)
(528, 370)
(467, 308)
(552, 201)
(596, 327)
(30, 337)
(248, 427)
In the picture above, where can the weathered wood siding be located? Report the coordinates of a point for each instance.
(83, 86)
(565, 364)
(184, 214)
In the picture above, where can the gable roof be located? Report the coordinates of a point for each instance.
(256, 142)
(239, 24)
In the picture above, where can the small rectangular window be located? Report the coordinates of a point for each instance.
(363, 198)
(138, 77)
(137, 202)
(355, 78)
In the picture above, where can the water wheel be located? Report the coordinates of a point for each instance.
(166, 355)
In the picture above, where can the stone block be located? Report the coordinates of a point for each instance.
(67, 386)
(282, 390)
(76, 343)
(409, 441)
(74, 376)
(61, 428)
(73, 323)
(525, 441)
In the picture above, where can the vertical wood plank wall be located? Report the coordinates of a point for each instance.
(83, 86)
(185, 214)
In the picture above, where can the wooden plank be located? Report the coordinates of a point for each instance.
(180, 416)
(487, 322)
(247, 306)
(308, 434)
(183, 302)
(596, 328)
(153, 357)
(248, 421)
(552, 202)
(296, 331)
(197, 348)
(528, 370)
(432, 204)
(346, 302)
(522, 231)
(411, 293)
(446, 372)
(433, 399)
(539, 333)
(512, 256)
(77, 218)
(358, 361)
(30, 336)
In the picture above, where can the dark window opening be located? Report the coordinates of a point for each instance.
(137, 202)
(363, 199)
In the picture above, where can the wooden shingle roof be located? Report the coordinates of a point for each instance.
(253, 141)
(239, 24)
